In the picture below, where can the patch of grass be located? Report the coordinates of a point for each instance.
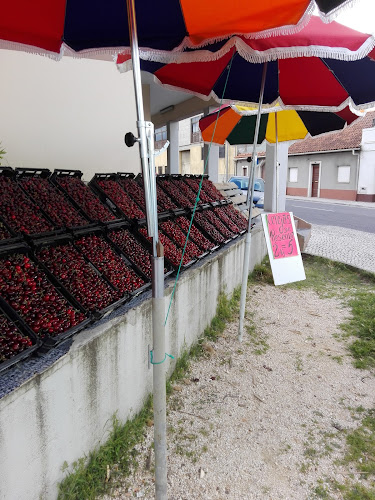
(359, 492)
(87, 476)
(361, 443)
(362, 325)
(329, 278)
(321, 492)
(262, 273)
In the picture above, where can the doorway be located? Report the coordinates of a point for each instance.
(315, 178)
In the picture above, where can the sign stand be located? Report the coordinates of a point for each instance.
(283, 248)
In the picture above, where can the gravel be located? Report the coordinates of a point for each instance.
(264, 419)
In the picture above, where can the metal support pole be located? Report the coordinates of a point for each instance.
(141, 124)
(226, 146)
(250, 196)
(277, 166)
(146, 140)
(160, 418)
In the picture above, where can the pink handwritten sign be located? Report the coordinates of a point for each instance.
(282, 237)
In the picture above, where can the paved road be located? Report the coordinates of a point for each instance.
(351, 215)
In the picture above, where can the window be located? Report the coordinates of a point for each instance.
(160, 137)
(343, 174)
(160, 170)
(195, 130)
(161, 134)
(293, 174)
(221, 151)
(244, 170)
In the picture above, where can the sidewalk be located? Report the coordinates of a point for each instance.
(349, 246)
(365, 204)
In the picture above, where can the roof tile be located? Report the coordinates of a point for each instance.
(349, 138)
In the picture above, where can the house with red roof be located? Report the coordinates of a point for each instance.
(338, 165)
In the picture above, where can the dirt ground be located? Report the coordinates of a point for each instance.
(265, 418)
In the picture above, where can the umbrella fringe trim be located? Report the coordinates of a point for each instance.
(254, 56)
(355, 108)
(30, 49)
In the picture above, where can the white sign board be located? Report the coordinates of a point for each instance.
(283, 248)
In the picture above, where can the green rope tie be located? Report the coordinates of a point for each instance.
(198, 194)
(159, 362)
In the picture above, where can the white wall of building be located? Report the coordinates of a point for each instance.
(68, 114)
(366, 178)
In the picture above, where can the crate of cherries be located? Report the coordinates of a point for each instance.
(228, 211)
(113, 194)
(77, 275)
(70, 182)
(53, 202)
(196, 234)
(17, 341)
(178, 236)
(207, 228)
(173, 254)
(210, 190)
(164, 202)
(30, 291)
(18, 211)
(185, 190)
(174, 192)
(104, 257)
(194, 183)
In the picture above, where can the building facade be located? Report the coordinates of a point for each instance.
(338, 165)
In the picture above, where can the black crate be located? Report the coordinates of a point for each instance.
(23, 328)
(182, 245)
(139, 239)
(77, 174)
(175, 267)
(43, 173)
(160, 182)
(208, 235)
(13, 237)
(191, 237)
(227, 237)
(65, 239)
(8, 172)
(49, 340)
(99, 231)
(105, 198)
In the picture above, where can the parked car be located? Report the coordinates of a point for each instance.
(243, 183)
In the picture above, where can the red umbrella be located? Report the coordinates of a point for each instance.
(321, 67)
(84, 25)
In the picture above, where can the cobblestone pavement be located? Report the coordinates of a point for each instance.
(349, 246)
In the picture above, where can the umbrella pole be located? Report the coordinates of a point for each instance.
(250, 196)
(146, 140)
(277, 166)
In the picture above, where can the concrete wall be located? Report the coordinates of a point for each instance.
(64, 412)
(53, 116)
(366, 177)
(329, 187)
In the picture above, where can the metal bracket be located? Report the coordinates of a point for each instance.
(161, 150)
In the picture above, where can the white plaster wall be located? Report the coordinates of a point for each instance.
(184, 132)
(366, 177)
(68, 114)
(63, 413)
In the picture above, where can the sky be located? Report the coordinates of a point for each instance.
(361, 16)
